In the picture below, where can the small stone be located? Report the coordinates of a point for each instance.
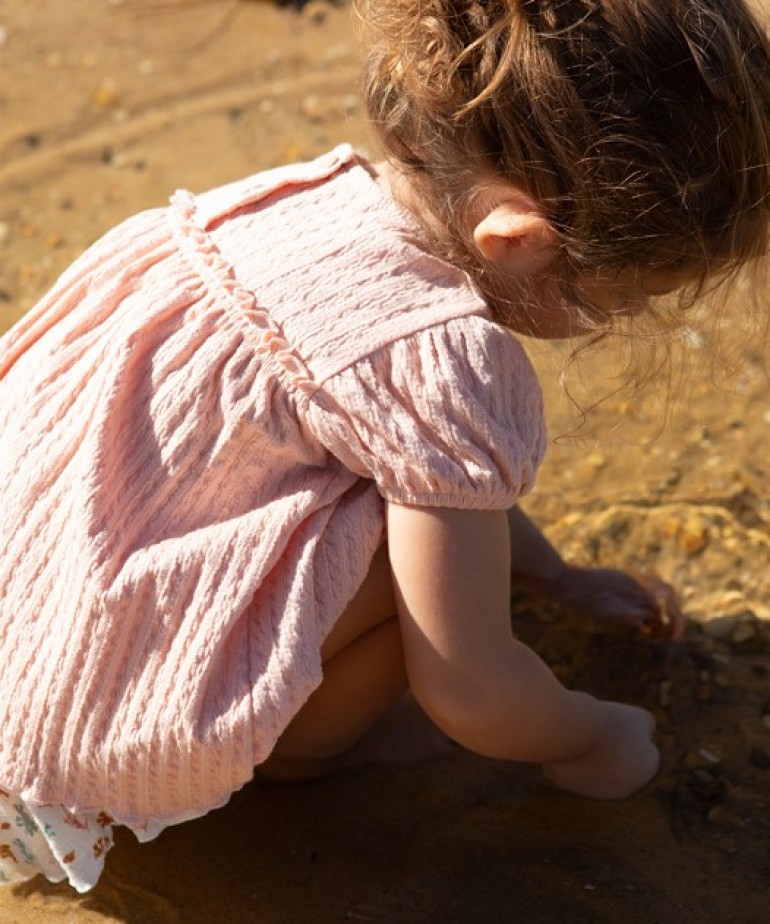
(54, 240)
(53, 60)
(766, 721)
(5, 232)
(596, 460)
(693, 539)
(664, 694)
(672, 479)
(721, 627)
(106, 95)
(704, 693)
(743, 632)
(3, 36)
(702, 759)
(719, 815)
(145, 67)
(706, 785)
(316, 11)
(314, 108)
(266, 106)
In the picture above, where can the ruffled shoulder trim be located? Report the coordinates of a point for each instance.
(210, 265)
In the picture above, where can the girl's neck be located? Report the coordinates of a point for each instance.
(437, 238)
(399, 187)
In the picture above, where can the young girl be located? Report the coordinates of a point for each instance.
(261, 449)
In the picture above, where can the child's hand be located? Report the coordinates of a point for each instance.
(643, 601)
(622, 760)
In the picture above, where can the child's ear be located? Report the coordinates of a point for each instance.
(516, 237)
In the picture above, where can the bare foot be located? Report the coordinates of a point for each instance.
(404, 734)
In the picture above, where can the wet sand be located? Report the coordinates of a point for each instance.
(106, 107)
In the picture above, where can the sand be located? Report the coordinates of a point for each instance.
(106, 107)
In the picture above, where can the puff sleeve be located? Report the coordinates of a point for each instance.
(450, 416)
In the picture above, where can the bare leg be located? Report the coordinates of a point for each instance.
(359, 712)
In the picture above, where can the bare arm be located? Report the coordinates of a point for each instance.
(643, 602)
(475, 680)
(481, 686)
(535, 564)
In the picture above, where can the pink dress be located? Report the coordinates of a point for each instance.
(199, 427)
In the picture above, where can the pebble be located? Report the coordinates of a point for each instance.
(313, 107)
(743, 632)
(106, 95)
(694, 538)
(5, 232)
(596, 460)
(3, 36)
(720, 627)
(706, 784)
(719, 815)
(703, 758)
(664, 694)
(316, 11)
(766, 721)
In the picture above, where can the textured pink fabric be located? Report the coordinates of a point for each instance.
(198, 426)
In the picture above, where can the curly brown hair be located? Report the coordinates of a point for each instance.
(641, 127)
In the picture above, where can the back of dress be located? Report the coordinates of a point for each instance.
(200, 425)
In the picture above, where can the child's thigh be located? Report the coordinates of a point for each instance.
(373, 604)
